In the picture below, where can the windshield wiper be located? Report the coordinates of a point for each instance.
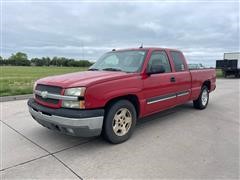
(93, 69)
(111, 69)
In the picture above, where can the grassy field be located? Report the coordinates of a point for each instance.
(15, 80)
(219, 73)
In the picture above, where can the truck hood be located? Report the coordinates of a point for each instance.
(85, 78)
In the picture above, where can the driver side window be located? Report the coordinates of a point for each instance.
(160, 58)
(111, 60)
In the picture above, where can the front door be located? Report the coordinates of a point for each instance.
(159, 89)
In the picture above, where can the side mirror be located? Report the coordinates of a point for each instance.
(156, 69)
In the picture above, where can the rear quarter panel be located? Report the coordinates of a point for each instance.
(199, 77)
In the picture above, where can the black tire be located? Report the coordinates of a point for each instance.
(108, 132)
(199, 103)
(225, 74)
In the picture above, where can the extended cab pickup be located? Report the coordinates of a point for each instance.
(120, 88)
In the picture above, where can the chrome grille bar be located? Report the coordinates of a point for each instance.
(45, 95)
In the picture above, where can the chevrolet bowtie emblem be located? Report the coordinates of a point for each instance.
(44, 94)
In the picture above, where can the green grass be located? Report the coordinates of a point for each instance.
(16, 80)
(219, 73)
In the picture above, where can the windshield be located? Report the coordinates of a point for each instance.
(127, 61)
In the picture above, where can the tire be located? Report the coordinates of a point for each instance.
(225, 74)
(119, 122)
(202, 101)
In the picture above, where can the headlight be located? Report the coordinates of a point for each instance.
(34, 86)
(75, 91)
(79, 92)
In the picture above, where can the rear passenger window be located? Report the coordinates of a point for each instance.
(161, 58)
(178, 61)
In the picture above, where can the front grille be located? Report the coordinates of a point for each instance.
(49, 89)
(47, 100)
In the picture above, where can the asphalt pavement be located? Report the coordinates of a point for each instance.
(178, 143)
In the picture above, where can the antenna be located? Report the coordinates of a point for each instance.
(141, 46)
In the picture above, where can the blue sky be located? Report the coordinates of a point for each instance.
(203, 30)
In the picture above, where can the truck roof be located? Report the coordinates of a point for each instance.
(147, 48)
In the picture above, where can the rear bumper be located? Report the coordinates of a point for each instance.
(83, 123)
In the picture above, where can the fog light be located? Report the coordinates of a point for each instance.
(73, 104)
(70, 104)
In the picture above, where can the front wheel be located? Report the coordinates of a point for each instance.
(119, 121)
(202, 101)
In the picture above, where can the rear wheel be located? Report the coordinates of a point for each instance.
(119, 121)
(237, 75)
(202, 101)
(225, 74)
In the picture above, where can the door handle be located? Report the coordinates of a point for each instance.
(172, 79)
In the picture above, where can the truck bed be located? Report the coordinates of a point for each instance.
(200, 75)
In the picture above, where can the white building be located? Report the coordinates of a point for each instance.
(233, 56)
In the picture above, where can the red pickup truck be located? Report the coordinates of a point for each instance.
(120, 88)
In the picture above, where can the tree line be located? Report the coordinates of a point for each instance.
(21, 59)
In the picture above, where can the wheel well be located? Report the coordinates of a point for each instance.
(208, 84)
(132, 98)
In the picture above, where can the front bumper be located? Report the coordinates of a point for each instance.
(83, 123)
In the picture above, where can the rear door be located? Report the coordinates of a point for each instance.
(159, 89)
(182, 77)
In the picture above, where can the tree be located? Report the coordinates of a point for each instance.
(1, 61)
(54, 61)
(36, 62)
(46, 61)
(19, 59)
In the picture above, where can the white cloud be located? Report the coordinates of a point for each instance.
(155, 27)
(201, 30)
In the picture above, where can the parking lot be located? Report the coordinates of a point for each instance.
(179, 143)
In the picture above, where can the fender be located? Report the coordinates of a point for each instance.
(98, 95)
(126, 92)
(122, 92)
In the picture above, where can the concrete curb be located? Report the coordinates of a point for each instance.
(15, 98)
